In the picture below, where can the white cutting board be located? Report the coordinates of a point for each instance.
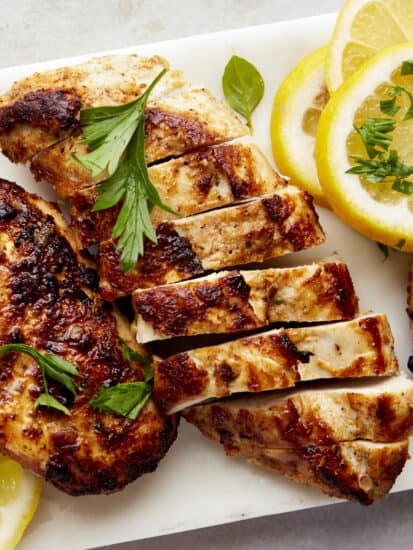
(196, 485)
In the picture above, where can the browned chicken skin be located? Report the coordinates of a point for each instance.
(48, 300)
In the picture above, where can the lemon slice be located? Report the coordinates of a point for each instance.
(296, 111)
(363, 28)
(19, 496)
(375, 209)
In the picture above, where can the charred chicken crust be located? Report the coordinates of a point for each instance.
(48, 300)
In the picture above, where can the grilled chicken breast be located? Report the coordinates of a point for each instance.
(48, 300)
(43, 108)
(235, 301)
(39, 116)
(379, 409)
(361, 471)
(202, 180)
(253, 231)
(276, 359)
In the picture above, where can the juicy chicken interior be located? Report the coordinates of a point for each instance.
(235, 301)
(252, 231)
(276, 359)
(361, 471)
(378, 410)
(49, 300)
(198, 181)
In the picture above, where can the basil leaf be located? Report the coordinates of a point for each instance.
(127, 399)
(47, 400)
(243, 87)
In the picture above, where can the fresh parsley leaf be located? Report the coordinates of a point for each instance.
(373, 133)
(47, 400)
(243, 87)
(51, 366)
(401, 244)
(132, 355)
(389, 107)
(126, 399)
(386, 166)
(407, 67)
(116, 136)
(403, 186)
(384, 249)
(397, 91)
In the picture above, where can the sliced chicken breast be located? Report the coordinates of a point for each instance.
(49, 300)
(378, 409)
(253, 231)
(202, 180)
(43, 108)
(235, 301)
(360, 471)
(276, 359)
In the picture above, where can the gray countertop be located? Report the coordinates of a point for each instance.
(35, 30)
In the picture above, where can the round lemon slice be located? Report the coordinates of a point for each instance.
(297, 108)
(378, 199)
(19, 496)
(363, 28)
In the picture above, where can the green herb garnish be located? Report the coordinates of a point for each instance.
(407, 68)
(384, 249)
(374, 133)
(243, 87)
(129, 398)
(401, 244)
(116, 136)
(387, 166)
(126, 399)
(389, 107)
(132, 355)
(51, 366)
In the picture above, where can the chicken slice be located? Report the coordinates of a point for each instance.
(360, 471)
(235, 301)
(48, 300)
(43, 108)
(252, 231)
(276, 359)
(378, 409)
(202, 180)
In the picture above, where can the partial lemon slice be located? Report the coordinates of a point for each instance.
(19, 496)
(381, 210)
(363, 28)
(296, 111)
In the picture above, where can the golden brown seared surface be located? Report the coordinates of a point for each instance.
(41, 109)
(48, 300)
(177, 123)
(360, 471)
(253, 231)
(323, 414)
(202, 180)
(276, 359)
(236, 301)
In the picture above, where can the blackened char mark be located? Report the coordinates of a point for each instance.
(172, 310)
(177, 378)
(51, 110)
(300, 233)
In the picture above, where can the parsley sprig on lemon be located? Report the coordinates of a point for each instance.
(358, 155)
